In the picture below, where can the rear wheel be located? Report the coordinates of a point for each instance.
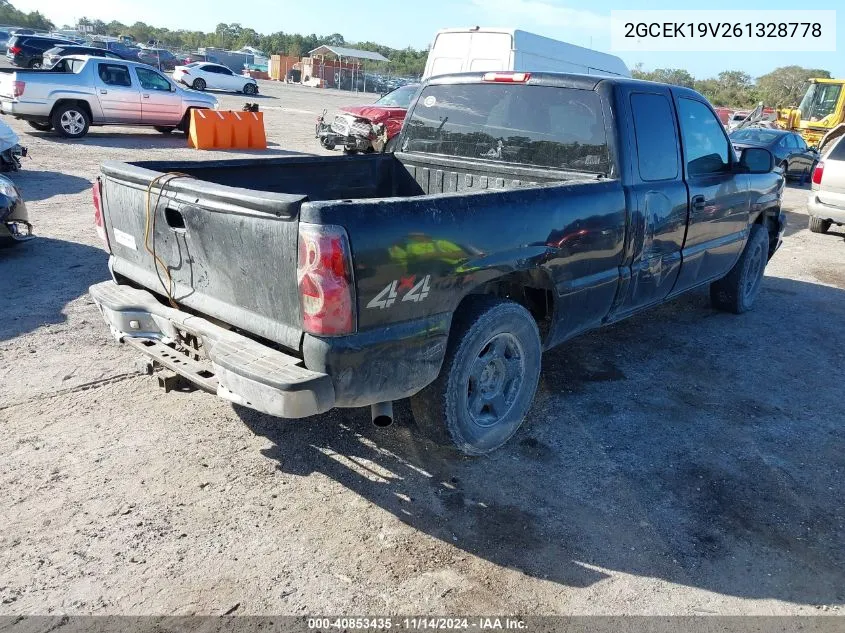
(488, 379)
(817, 225)
(199, 84)
(71, 121)
(737, 291)
(41, 126)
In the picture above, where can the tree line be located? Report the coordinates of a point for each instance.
(783, 87)
(11, 16)
(407, 61)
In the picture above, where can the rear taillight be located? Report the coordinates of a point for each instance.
(324, 275)
(14, 50)
(18, 88)
(99, 220)
(818, 172)
(507, 77)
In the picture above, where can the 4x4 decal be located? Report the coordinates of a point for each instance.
(416, 291)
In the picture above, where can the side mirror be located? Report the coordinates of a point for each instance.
(756, 160)
(814, 148)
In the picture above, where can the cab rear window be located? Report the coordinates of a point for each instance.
(536, 126)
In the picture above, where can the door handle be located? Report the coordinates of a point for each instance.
(698, 203)
(146, 96)
(104, 92)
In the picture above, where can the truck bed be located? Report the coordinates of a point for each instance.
(229, 231)
(322, 178)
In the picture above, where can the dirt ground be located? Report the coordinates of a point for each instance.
(681, 462)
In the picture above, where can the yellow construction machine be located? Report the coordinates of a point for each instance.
(820, 118)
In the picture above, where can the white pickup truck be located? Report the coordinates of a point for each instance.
(81, 91)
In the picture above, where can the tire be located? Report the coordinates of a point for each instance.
(164, 129)
(34, 64)
(817, 225)
(41, 126)
(737, 291)
(199, 84)
(71, 121)
(783, 167)
(250, 89)
(327, 144)
(492, 361)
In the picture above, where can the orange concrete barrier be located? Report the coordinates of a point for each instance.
(215, 129)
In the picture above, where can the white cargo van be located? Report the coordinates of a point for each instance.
(488, 49)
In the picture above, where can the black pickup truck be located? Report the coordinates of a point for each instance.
(520, 210)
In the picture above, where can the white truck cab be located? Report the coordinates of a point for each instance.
(480, 49)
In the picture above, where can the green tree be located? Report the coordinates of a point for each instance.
(785, 86)
(14, 17)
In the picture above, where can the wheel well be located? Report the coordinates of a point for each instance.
(78, 102)
(769, 221)
(185, 123)
(532, 289)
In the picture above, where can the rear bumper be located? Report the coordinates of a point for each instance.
(24, 110)
(830, 210)
(233, 366)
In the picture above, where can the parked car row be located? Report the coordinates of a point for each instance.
(43, 51)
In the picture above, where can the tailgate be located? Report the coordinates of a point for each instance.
(231, 253)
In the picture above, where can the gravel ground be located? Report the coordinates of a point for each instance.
(681, 462)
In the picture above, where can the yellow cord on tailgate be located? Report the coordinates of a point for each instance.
(150, 224)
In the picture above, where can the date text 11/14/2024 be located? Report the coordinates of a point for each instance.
(418, 624)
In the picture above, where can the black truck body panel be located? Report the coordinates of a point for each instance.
(603, 246)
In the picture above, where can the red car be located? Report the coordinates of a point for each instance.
(368, 127)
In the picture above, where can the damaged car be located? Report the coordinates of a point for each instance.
(14, 219)
(368, 128)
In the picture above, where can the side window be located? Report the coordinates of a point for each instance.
(705, 143)
(802, 145)
(114, 75)
(837, 151)
(788, 142)
(151, 80)
(657, 142)
(225, 71)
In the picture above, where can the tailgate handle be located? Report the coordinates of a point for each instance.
(174, 219)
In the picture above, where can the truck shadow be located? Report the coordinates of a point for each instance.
(683, 445)
(39, 277)
(119, 138)
(42, 185)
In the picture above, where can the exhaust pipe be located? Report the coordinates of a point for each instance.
(382, 413)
